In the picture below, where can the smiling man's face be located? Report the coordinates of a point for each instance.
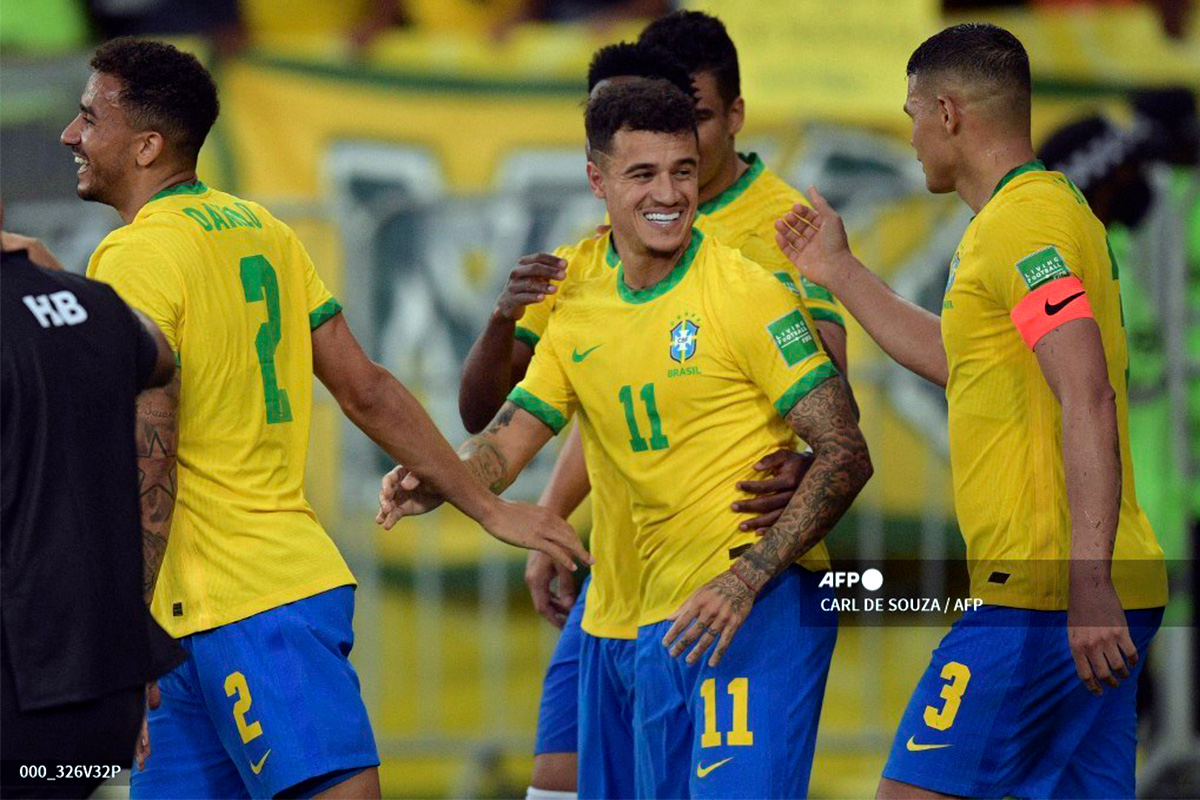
(649, 184)
(102, 140)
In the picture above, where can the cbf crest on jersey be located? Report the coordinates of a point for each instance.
(683, 339)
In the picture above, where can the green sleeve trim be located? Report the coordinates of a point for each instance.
(323, 313)
(828, 315)
(527, 336)
(546, 413)
(800, 388)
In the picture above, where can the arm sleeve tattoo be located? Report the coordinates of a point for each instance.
(825, 419)
(484, 457)
(157, 440)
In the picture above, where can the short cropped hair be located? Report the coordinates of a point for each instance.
(637, 61)
(702, 44)
(977, 51)
(641, 105)
(162, 88)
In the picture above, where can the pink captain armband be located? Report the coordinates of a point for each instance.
(1049, 306)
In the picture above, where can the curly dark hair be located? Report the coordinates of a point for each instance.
(701, 44)
(976, 51)
(640, 105)
(162, 88)
(628, 59)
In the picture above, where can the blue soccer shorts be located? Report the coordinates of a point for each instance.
(1001, 712)
(606, 697)
(266, 705)
(558, 713)
(748, 727)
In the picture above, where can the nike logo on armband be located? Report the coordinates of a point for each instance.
(577, 356)
(1054, 308)
(257, 768)
(916, 748)
(702, 771)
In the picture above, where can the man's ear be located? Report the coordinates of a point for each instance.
(737, 116)
(149, 146)
(950, 113)
(595, 179)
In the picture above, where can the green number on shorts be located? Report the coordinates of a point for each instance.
(658, 440)
(959, 676)
(259, 284)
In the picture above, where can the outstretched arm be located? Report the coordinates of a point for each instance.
(384, 410)
(841, 467)
(814, 239)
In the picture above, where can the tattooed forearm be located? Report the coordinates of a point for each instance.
(157, 440)
(485, 460)
(841, 467)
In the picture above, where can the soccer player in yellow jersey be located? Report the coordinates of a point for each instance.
(1033, 694)
(268, 702)
(740, 199)
(686, 363)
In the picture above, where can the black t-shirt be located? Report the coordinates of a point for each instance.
(72, 615)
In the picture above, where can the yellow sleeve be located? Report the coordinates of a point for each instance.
(532, 325)
(545, 392)
(144, 277)
(820, 302)
(774, 342)
(1026, 244)
(319, 301)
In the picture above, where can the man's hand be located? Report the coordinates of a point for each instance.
(713, 614)
(402, 495)
(814, 239)
(553, 604)
(536, 528)
(529, 283)
(1098, 635)
(521, 524)
(787, 468)
(38, 252)
(141, 751)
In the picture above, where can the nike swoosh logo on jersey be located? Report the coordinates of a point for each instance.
(1054, 308)
(577, 356)
(702, 772)
(257, 768)
(916, 748)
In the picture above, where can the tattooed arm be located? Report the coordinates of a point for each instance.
(841, 467)
(157, 439)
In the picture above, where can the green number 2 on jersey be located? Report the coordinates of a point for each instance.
(259, 283)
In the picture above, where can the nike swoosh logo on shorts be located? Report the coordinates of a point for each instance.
(702, 772)
(257, 768)
(914, 747)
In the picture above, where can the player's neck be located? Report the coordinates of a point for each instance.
(149, 188)
(734, 168)
(986, 167)
(642, 269)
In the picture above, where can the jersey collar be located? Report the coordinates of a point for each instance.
(192, 187)
(1028, 166)
(666, 284)
(738, 187)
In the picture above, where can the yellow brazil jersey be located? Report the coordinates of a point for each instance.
(743, 217)
(681, 387)
(237, 297)
(1005, 423)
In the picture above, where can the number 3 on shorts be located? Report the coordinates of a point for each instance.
(959, 676)
(235, 684)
